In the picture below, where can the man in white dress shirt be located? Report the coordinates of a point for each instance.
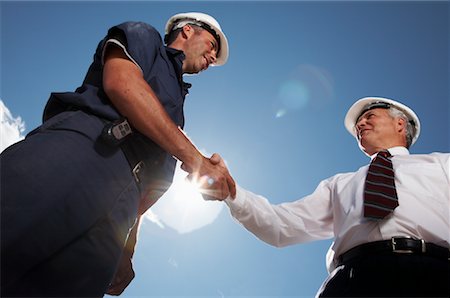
(405, 253)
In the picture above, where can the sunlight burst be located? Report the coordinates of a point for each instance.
(183, 208)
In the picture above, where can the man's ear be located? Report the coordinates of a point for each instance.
(401, 124)
(188, 31)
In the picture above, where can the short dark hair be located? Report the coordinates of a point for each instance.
(172, 35)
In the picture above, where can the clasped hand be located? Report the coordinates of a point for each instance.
(213, 178)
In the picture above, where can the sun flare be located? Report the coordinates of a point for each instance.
(183, 208)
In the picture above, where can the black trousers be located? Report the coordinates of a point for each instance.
(390, 275)
(67, 205)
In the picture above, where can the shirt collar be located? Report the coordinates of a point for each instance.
(174, 52)
(399, 150)
(177, 57)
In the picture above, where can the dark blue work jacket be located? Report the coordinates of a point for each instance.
(162, 69)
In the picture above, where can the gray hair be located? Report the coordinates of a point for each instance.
(410, 128)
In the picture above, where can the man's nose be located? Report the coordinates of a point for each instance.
(360, 124)
(213, 56)
(361, 121)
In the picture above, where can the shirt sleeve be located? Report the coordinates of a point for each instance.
(304, 220)
(139, 41)
(444, 159)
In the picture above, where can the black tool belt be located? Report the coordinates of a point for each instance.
(396, 245)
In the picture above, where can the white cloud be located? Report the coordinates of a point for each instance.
(173, 262)
(152, 217)
(11, 128)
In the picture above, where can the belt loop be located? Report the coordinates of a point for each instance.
(393, 244)
(137, 168)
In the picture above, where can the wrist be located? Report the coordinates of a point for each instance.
(193, 162)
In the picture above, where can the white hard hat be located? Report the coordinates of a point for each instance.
(208, 23)
(367, 103)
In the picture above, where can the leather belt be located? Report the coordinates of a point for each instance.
(396, 245)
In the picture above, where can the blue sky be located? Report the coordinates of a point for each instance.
(274, 112)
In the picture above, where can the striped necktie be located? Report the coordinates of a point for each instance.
(380, 196)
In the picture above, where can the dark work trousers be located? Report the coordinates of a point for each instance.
(67, 204)
(390, 275)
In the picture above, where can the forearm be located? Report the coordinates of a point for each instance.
(134, 99)
(278, 225)
(256, 215)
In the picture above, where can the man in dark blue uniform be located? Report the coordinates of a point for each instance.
(73, 191)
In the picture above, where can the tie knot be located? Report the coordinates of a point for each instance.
(384, 153)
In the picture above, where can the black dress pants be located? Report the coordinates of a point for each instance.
(390, 275)
(67, 205)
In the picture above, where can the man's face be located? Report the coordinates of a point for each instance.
(200, 51)
(378, 130)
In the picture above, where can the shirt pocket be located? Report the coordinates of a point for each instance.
(423, 181)
(163, 81)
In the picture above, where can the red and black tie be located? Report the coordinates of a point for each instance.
(380, 196)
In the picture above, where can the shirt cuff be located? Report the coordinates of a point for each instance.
(240, 200)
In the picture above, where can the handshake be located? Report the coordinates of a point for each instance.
(212, 177)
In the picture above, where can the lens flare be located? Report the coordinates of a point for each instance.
(293, 94)
(306, 85)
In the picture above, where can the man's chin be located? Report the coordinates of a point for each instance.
(190, 73)
(364, 147)
(193, 71)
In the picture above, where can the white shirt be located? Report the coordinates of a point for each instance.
(335, 208)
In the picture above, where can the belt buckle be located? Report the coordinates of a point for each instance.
(137, 168)
(404, 251)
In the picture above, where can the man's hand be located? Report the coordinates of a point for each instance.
(125, 273)
(122, 278)
(213, 178)
(216, 159)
